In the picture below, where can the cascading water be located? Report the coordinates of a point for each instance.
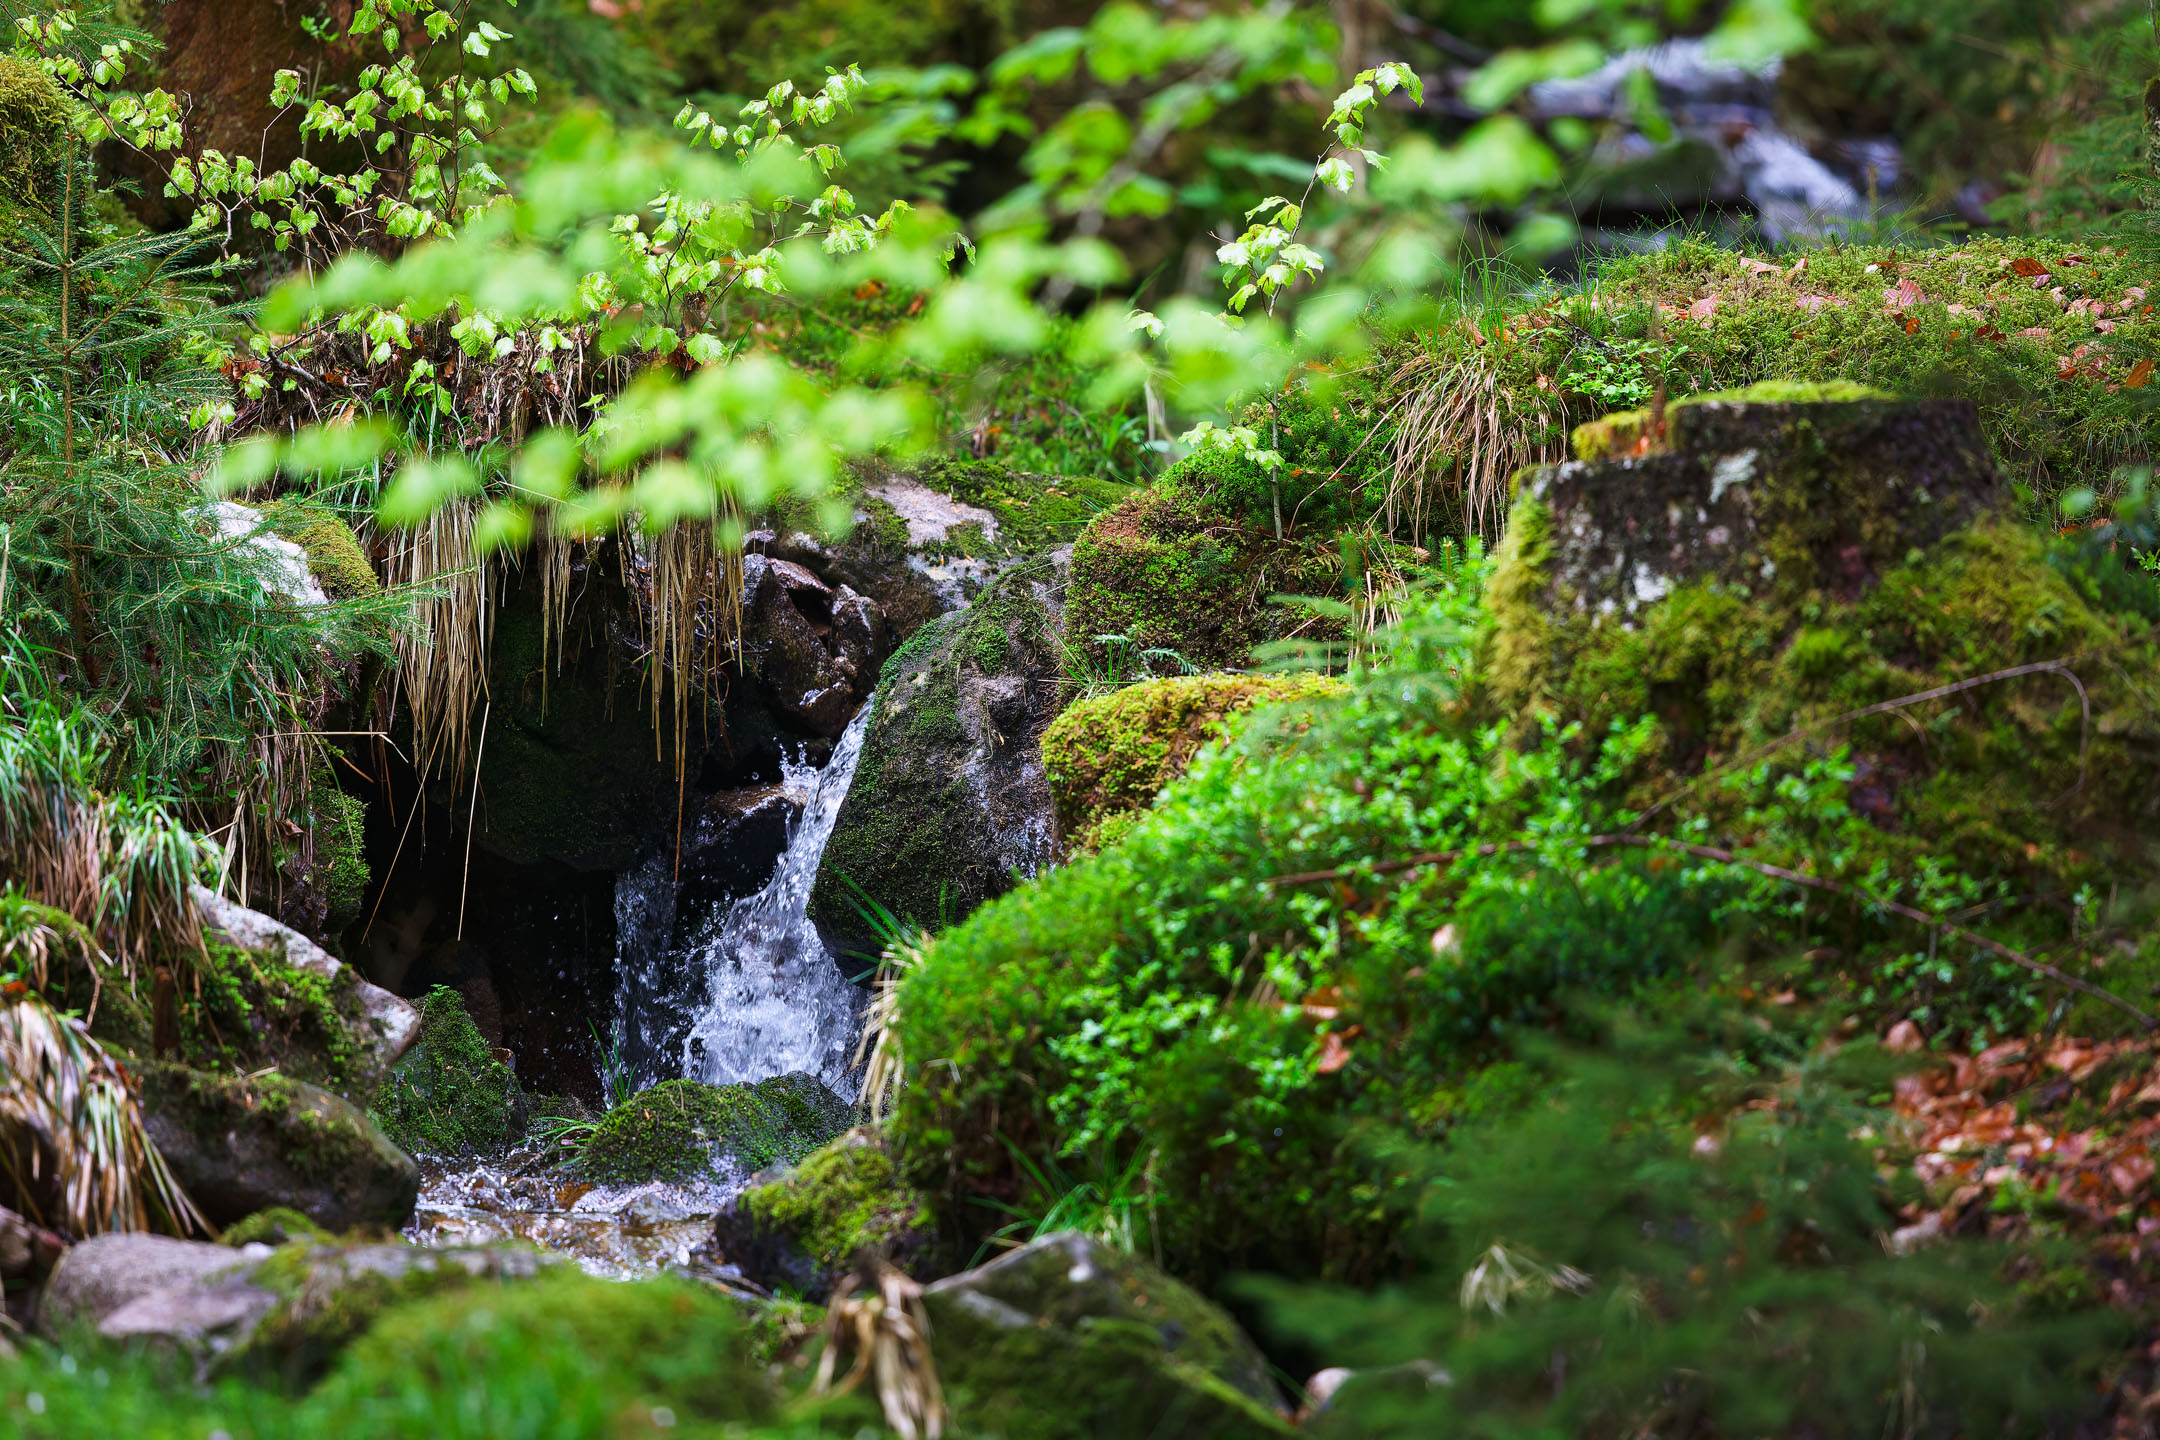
(775, 999)
(766, 998)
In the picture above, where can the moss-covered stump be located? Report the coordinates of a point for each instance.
(1112, 754)
(242, 1145)
(449, 1095)
(682, 1130)
(949, 798)
(801, 1231)
(1066, 1338)
(1173, 569)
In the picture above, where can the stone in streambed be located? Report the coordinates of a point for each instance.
(681, 1130)
(241, 1145)
(803, 1228)
(1067, 1338)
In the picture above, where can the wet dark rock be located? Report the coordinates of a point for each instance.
(950, 799)
(1067, 1337)
(815, 649)
(28, 1253)
(239, 1145)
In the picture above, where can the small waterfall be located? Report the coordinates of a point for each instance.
(775, 999)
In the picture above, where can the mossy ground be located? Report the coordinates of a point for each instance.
(34, 114)
(2043, 335)
(448, 1094)
(681, 1130)
(1113, 753)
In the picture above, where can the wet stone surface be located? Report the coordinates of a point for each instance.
(617, 1232)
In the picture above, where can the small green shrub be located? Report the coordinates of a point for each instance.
(1682, 1223)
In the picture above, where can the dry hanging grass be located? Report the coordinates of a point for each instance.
(72, 1141)
(1463, 434)
(443, 659)
(119, 864)
(877, 1314)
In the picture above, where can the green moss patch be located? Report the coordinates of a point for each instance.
(248, 1009)
(679, 1129)
(1113, 753)
(598, 1357)
(34, 117)
(334, 555)
(448, 1094)
(1173, 568)
(1034, 512)
(846, 1198)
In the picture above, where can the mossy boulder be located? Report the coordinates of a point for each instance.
(263, 995)
(328, 1293)
(449, 1095)
(949, 799)
(1780, 506)
(239, 1145)
(1111, 754)
(334, 556)
(1787, 579)
(1067, 1338)
(280, 1316)
(681, 1130)
(1173, 569)
(803, 1229)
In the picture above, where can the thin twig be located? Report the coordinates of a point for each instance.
(471, 812)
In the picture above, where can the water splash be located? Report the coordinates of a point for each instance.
(775, 999)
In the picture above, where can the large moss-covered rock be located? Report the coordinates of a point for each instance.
(1066, 1338)
(801, 1230)
(239, 1145)
(1781, 505)
(450, 1095)
(1773, 576)
(683, 1130)
(275, 1312)
(1112, 754)
(949, 799)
